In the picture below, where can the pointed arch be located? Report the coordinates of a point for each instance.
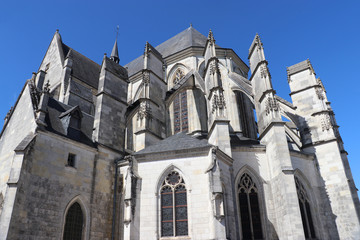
(165, 172)
(172, 72)
(306, 204)
(75, 220)
(250, 204)
(172, 194)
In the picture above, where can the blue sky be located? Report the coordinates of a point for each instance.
(326, 32)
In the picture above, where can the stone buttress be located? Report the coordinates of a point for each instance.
(320, 136)
(272, 134)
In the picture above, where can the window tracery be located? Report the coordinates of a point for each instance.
(249, 208)
(305, 210)
(178, 75)
(180, 113)
(174, 221)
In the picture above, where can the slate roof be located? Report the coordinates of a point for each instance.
(176, 142)
(55, 125)
(135, 65)
(83, 68)
(190, 37)
(115, 68)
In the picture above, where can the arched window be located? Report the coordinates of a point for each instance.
(249, 208)
(305, 211)
(74, 223)
(174, 220)
(180, 113)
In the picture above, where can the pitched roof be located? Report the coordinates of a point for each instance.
(176, 142)
(115, 68)
(190, 37)
(55, 125)
(83, 68)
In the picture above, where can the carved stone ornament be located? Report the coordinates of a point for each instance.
(212, 68)
(178, 75)
(319, 93)
(35, 94)
(46, 88)
(144, 110)
(146, 77)
(218, 102)
(271, 105)
(325, 122)
(8, 113)
(211, 38)
(263, 71)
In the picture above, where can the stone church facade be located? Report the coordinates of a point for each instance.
(178, 144)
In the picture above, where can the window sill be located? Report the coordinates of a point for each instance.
(70, 168)
(176, 238)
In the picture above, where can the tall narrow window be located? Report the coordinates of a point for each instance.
(174, 220)
(305, 211)
(180, 113)
(74, 223)
(249, 208)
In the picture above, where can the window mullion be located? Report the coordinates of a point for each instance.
(174, 212)
(250, 216)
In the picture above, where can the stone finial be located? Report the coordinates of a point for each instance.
(147, 48)
(211, 37)
(258, 40)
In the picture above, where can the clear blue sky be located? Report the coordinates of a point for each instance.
(325, 32)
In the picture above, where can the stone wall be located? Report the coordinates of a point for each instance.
(47, 186)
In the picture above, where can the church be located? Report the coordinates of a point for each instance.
(187, 141)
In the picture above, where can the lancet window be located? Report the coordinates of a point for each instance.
(249, 208)
(74, 223)
(174, 219)
(305, 210)
(181, 113)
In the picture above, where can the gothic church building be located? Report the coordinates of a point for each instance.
(185, 142)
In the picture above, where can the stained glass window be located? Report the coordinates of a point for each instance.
(305, 210)
(73, 223)
(174, 220)
(249, 208)
(180, 113)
